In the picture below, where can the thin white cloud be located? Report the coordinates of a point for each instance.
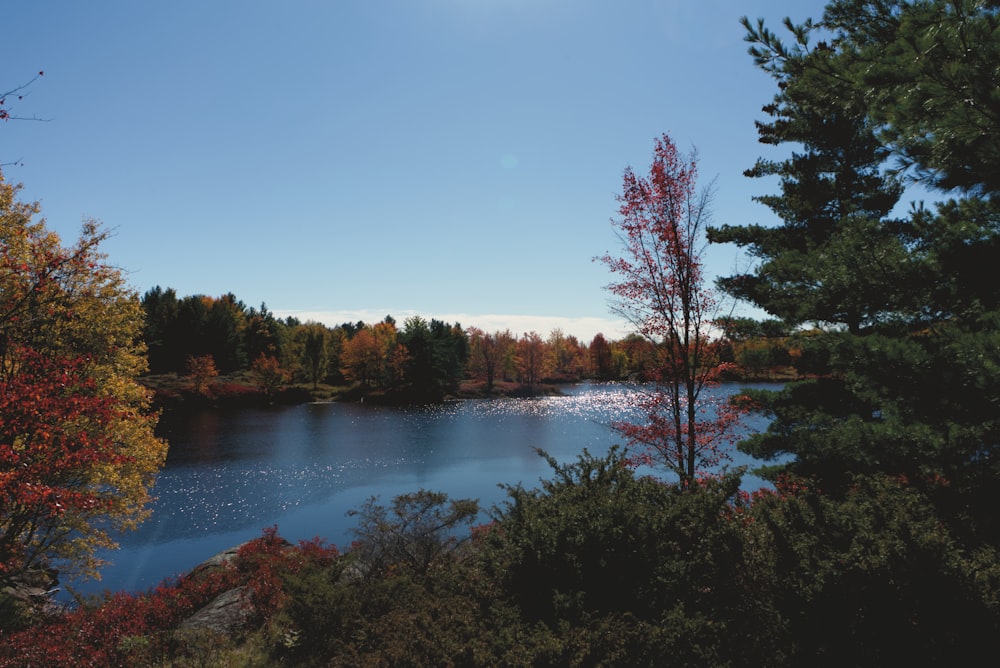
(584, 328)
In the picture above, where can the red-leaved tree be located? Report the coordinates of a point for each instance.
(661, 291)
(78, 455)
(56, 428)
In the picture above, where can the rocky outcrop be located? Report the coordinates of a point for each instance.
(35, 589)
(227, 614)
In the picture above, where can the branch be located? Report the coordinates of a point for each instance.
(6, 115)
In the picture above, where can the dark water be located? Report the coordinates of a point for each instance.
(230, 474)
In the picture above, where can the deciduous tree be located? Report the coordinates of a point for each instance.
(489, 354)
(55, 430)
(269, 373)
(313, 340)
(66, 310)
(661, 291)
(530, 356)
(366, 354)
(600, 358)
(202, 371)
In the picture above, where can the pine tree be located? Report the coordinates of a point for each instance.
(906, 307)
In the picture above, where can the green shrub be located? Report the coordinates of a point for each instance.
(666, 565)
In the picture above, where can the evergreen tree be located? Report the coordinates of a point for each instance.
(908, 342)
(928, 72)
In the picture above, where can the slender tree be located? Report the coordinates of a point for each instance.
(530, 356)
(662, 293)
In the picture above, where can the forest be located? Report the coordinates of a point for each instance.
(196, 335)
(875, 543)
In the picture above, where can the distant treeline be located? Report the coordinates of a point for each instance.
(428, 356)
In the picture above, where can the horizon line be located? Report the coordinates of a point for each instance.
(584, 328)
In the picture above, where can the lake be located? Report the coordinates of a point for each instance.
(230, 474)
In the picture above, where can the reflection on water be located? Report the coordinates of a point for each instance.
(229, 474)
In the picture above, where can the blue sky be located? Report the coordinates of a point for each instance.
(344, 160)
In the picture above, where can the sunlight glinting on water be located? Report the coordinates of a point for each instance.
(604, 406)
(302, 468)
(206, 499)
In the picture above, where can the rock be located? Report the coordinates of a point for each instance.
(34, 585)
(217, 561)
(227, 614)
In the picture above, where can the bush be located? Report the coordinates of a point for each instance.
(597, 547)
(399, 597)
(872, 576)
(415, 532)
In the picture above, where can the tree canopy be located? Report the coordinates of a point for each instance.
(77, 451)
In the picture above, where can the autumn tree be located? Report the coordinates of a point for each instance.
(54, 428)
(661, 291)
(202, 371)
(639, 354)
(358, 361)
(66, 314)
(269, 373)
(224, 333)
(600, 358)
(399, 362)
(483, 356)
(366, 355)
(490, 354)
(563, 356)
(530, 357)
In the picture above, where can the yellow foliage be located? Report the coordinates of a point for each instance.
(69, 302)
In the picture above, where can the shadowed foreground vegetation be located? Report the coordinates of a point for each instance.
(594, 567)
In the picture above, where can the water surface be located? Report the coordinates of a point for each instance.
(230, 474)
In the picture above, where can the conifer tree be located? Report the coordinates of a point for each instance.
(908, 311)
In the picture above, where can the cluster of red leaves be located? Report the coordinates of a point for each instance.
(94, 636)
(230, 390)
(664, 436)
(98, 636)
(53, 429)
(264, 560)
